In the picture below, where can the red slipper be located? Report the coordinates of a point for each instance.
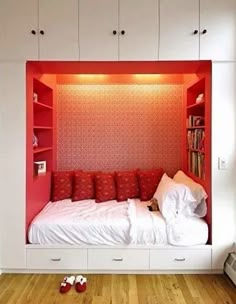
(66, 284)
(80, 283)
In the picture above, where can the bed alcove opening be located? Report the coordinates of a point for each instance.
(55, 81)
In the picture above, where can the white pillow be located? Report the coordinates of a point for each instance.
(174, 199)
(197, 190)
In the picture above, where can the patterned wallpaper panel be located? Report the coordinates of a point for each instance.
(118, 127)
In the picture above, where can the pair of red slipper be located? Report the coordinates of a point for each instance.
(68, 281)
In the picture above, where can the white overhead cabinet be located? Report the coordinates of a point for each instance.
(179, 30)
(118, 30)
(39, 29)
(193, 30)
(138, 29)
(218, 30)
(98, 30)
(18, 30)
(58, 30)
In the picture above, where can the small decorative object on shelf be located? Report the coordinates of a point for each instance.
(200, 98)
(35, 141)
(35, 97)
(195, 121)
(199, 121)
(40, 167)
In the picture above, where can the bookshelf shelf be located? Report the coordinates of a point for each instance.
(196, 105)
(196, 127)
(196, 150)
(42, 128)
(41, 106)
(43, 149)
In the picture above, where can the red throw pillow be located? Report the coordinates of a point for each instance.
(105, 187)
(126, 185)
(84, 187)
(61, 185)
(148, 182)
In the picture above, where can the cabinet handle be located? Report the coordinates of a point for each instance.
(56, 260)
(33, 32)
(41, 32)
(204, 31)
(117, 260)
(180, 260)
(122, 32)
(195, 32)
(114, 32)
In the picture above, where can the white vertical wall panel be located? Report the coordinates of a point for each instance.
(223, 145)
(13, 163)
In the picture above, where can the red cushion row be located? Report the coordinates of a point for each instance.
(104, 186)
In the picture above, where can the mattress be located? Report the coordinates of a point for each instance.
(111, 223)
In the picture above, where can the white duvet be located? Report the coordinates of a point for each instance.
(110, 223)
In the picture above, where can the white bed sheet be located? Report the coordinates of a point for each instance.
(82, 222)
(109, 223)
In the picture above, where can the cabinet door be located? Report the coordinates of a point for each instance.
(138, 30)
(59, 22)
(218, 18)
(17, 20)
(179, 30)
(97, 21)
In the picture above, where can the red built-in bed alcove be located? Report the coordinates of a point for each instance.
(112, 116)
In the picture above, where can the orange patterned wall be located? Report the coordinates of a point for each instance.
(118, 127)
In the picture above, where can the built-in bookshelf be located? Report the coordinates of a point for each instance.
(197, 134)
(42, 124)
(196, 129)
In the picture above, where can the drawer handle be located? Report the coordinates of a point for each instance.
(180, 260)
(117, 260)
(56, 260)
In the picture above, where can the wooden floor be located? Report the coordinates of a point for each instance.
(119, 289)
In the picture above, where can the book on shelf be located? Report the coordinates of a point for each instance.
(196, 139)
(196, 164)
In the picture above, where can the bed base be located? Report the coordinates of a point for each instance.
(119, 259)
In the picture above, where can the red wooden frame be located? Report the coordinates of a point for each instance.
(38, 190)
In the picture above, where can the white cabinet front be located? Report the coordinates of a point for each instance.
(182, 259)
(39, 29)
(118, 259)
(98, 30)
(118, 30)
(18, 30)
(56, 258)
(218, 30)
(179, 30)
(138, 29)
(58, 30)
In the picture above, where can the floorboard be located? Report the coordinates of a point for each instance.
(119, 289)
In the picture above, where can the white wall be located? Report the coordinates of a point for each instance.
(223, 144)
(13, 168)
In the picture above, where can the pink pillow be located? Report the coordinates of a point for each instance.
(105, 187)
(148, 182)
(126, 185)
(61, 185)
(84, 187)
